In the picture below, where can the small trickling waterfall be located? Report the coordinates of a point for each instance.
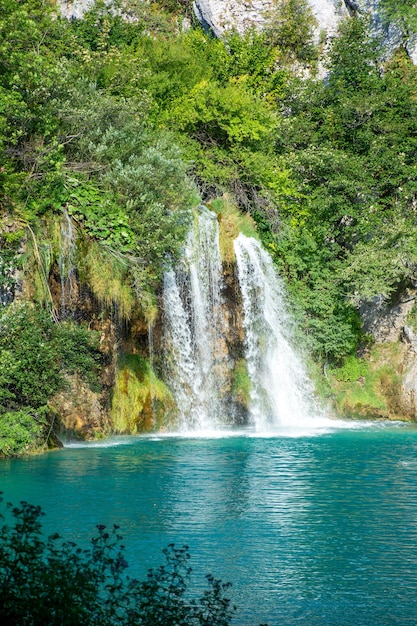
(194, 325)
(66, 264)
(280, 390)
(200, 369)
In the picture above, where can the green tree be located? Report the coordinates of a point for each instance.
(291, 28)
(350, 143)
(403, 14)
(33, 82)
(35, 352)
(22, 431)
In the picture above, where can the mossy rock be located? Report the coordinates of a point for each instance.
(231, 223)
(241, 384)
(141, 402)
(369, 387)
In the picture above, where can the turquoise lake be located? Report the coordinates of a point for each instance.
(314, 529)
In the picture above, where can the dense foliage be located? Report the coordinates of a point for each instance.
(352, 145)
(123, 125)
(44, 580)
(35, 355)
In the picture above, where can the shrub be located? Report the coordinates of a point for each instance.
(20, 431)
(48, 581)
(35, 353)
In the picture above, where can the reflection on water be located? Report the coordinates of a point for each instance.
(315, 529)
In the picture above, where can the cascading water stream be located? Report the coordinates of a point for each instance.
(194, 326)
(281, 394)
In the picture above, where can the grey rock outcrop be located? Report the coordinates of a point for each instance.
(222, 15)
(408, 390)
(391, 35)
(386, 321)
(74, 8)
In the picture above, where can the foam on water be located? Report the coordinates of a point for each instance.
(312, 427)
(120, 440)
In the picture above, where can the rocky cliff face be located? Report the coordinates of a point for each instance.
(408, 390)
(74, 8)
(80, 411)
(135, 393)
(391, 35)
(222, 15)
(392, 323)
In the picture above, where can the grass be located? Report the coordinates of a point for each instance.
(412, 318)
(108, 278)
(241, 383)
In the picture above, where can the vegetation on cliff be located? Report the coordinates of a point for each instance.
(121, 126)
(140, 401)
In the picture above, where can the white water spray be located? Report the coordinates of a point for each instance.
(281, 394)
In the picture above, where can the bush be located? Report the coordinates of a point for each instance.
(47, 581)
(352, 369)
(36, 354)
(20, 431)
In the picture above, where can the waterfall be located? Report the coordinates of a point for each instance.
(66, 264)
(194, 324)
(281, 394)
(202, 362)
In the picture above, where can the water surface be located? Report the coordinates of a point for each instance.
(315, 529)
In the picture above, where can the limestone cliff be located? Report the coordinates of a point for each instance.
(222, 15)
(392, 36)
(74, 8)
